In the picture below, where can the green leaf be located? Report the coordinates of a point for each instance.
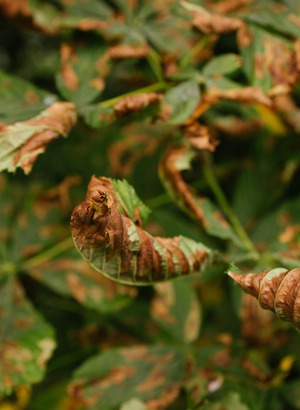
(70, 276)
(182, 100)
(129, 203)
(27, 341)
(148, 373)
(231, 401)
(97, 116)
(83, 71)
(21, 100)
(176, 310)
(222, 65)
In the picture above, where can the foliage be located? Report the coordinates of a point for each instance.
(195, 105)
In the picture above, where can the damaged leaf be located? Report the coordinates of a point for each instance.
(124, 252)
(277, 290)
(22, 142)
(83, 71)
(21, 100)
(176, 310)
(152, 374)
(175, 160)
(136, 103)
(27, 341)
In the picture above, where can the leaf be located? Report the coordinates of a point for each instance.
(259, 49)
(27, 341)
(200, 208)
(129, 203)
(21, 100)
(70, 276)
(152, 374)
(176, 310)
(182, 101)
(278, 233)
(122, 251)
(83, 71)
(97, 116)
(277, 290)
(22, 142)
(231, 401)
(222, 65)
(135, 103)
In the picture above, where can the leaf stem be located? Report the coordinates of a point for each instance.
(161, 85)
(186, 60)
(231, 216)
(48, 254)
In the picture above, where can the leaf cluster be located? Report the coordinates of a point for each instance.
(196, 106)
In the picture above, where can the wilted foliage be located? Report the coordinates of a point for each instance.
(196, 104)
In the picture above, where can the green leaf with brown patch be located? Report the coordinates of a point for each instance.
(259, 50)
(152, 374)
(21, 100)
(176, 310)
(22, 142)
(26, 340)
(82, 74)
(73, 277)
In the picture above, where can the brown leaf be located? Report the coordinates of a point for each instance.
(249, 95)
(124, 51)
(134, 103)
(228, 6)
(26, 140)
(277, 290)
(215, 23)
(200, 137)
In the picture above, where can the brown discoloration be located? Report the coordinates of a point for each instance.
(200, 136)
(248, 95)
(55, 121)
(125, 51)
(134, 103)
(215, 23)
(166, 398)
(98, 226)
(68, 73)
(228, 6)
(279, 293)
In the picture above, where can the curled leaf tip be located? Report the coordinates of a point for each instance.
(277, 290)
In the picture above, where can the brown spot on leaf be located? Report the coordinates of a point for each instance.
(125, 51)
(68, 73)
(215, 23)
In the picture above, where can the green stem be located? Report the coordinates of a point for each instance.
(231, 216)
(186, 60)
(155, 63)
(48, 254)
(161, 85)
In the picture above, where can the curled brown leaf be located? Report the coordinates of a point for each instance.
(209, 23)
(250, 95)
(134, 103)
(199, 137)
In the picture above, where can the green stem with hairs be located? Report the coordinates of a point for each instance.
(231, 216)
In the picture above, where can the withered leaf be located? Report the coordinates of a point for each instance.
(209, 23)
(121, 250)
(22, 142)
(134, 103)
(175, 160)
(27, 341)
(277, 290)
(249, 95)
(199, 136)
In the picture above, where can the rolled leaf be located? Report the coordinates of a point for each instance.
(123, 251)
